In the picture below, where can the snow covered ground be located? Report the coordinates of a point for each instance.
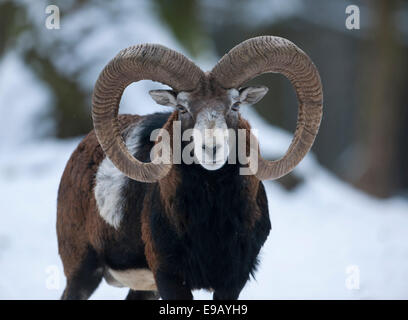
(325, 236)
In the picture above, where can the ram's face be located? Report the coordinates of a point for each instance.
(209, 117)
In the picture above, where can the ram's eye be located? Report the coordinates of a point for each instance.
(181, 108)
(235, 106)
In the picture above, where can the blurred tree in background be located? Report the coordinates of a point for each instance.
(70, 107)
(381, 118)
(364, 72)
(183, 18)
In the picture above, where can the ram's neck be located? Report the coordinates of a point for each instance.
(192, 196)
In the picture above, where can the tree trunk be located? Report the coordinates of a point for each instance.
(380, 122)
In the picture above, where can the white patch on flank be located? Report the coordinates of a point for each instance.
(135, 279)
(110, 181)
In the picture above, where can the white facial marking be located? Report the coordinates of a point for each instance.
(210, 136)
(135, 279)
(110, 181)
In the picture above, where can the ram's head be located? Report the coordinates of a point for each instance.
(208, 102)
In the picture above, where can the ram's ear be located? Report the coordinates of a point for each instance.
(251, 95)
(164, 97)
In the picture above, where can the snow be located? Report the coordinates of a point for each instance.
(23, 109)
(321, 230)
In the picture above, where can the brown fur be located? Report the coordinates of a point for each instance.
(79, 224)
(150, 252)
(252, 181)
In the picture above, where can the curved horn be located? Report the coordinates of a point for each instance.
(141, 62)
(274, 54)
